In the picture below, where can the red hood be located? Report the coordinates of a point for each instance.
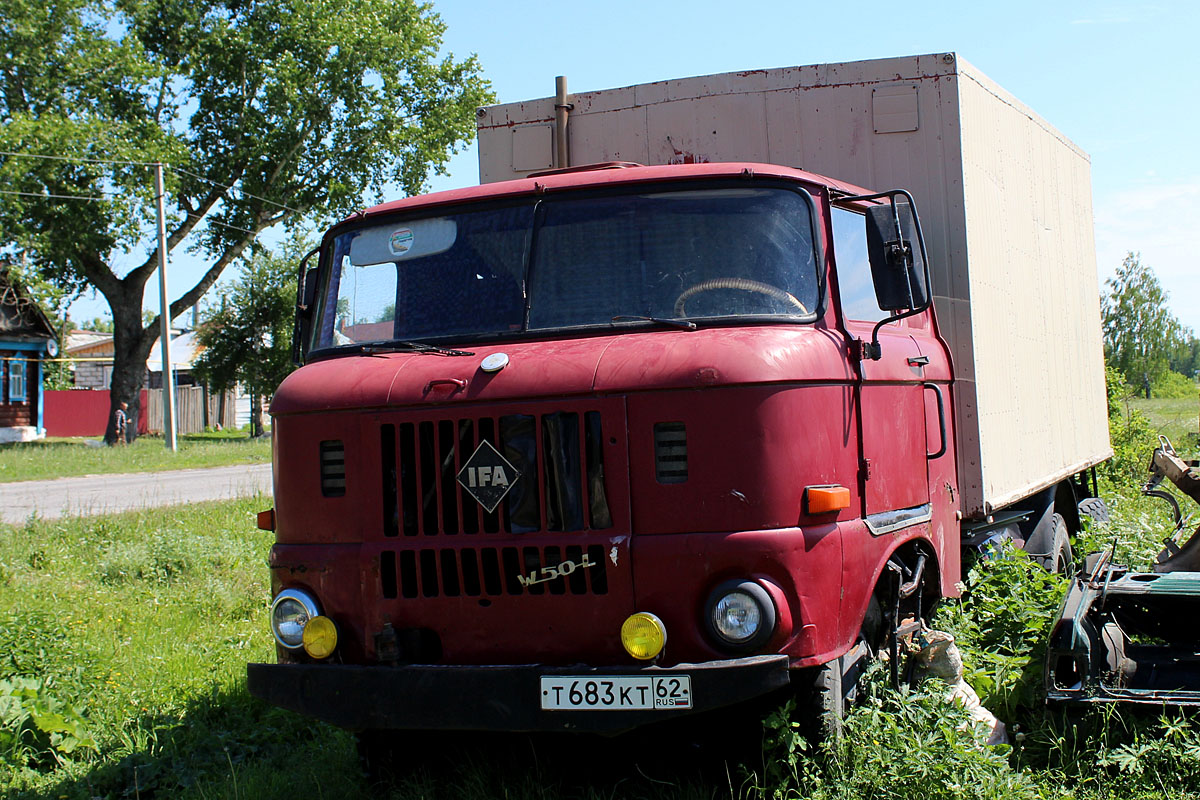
(661, 359)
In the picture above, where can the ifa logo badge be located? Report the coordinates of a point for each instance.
(487, 476)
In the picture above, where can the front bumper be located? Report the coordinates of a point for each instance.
(492, 698)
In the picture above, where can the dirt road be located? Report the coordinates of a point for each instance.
(98, 494)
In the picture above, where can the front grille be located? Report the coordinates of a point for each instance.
(493, 571)
(560, 458)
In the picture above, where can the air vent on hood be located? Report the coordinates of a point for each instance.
(670, 452)
(333, 468)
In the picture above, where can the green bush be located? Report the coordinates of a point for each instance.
(1173, 385)
(1002, 625)
(37, 729)
(910, 743)
(1133, 438)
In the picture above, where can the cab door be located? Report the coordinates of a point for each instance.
(892, 438)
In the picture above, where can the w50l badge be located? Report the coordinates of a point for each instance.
(487, 476)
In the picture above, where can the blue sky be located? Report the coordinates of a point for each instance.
(1122, 80)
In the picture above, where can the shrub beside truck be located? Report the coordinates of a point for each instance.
(660, 419)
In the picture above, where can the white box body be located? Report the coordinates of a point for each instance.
(1005, 206)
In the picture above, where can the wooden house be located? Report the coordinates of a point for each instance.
(26, 337)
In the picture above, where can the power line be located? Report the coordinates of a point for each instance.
(85, 160)
(77, 159)
(55, 196)
(106, 197)
(231, 188)
(223, 224)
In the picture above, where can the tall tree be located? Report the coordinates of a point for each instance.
(1140, 333)
(301, 106)
(248, 340)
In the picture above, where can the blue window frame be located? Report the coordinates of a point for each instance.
(16, 381)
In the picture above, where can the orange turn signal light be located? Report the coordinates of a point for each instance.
(825, 499)
(266, 520)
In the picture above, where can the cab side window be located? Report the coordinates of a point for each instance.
(854, 267)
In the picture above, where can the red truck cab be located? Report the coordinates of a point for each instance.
(602, 447)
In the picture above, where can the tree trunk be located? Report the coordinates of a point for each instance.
(205, 422)
(131, 348)
(256, 409)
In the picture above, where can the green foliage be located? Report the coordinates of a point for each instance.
(302, 107)
(248, 339)
(1185, 359)
(1001, 625)
(911, 743)
(1133, 439)
(1140, 334)
(1171, 384)
(97, 324)
(37, 729)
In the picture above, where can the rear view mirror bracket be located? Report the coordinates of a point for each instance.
(899, 270)
(306, 295)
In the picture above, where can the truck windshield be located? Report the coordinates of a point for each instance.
(572, 262)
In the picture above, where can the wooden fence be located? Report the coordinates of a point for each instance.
(189, 410)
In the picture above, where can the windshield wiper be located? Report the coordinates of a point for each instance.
(402, 346)
(397, 346)
(683, 324)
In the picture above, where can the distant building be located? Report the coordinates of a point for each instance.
(93, 353)
(26, 337)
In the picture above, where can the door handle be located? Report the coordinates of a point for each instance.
(937, 392)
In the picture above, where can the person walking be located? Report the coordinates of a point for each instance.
(122, 423)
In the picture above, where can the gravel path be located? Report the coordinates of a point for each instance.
(100, 494)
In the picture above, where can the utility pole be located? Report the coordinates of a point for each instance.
(164, 316)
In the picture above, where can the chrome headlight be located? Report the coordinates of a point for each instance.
(290, 612)
(740, 615)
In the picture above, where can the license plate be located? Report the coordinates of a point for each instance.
(599, 693)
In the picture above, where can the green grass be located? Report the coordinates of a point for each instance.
(58, 458)
(1176, 418)
(124, 639)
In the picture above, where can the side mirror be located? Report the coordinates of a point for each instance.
(306, 296)
(897, 256)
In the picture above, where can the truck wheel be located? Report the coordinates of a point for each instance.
(835, 688)
(375, 754)
(386, 755)
(1095, 509)
(1059, 559)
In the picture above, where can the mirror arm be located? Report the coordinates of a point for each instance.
(872, 350)
(302, 308)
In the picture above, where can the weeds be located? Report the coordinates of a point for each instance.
(124, 639)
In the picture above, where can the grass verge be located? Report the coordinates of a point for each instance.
(59, 458)
(124, 639)
(1176, 418)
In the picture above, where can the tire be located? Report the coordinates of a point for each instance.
(386, 755)
(1095, 509)
(1051, 548)
(835, 689)
(376, 753)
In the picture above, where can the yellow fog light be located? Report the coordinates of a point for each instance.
(643, 635)
(320, 637)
